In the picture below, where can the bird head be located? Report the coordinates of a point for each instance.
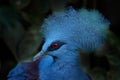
(65, 32)
(72, 30)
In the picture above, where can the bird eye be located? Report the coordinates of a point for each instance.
(55, 46)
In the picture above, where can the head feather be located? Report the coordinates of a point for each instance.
(84, 29)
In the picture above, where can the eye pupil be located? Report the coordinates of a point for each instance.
(55, 46)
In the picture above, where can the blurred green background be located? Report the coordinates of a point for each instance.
(20, 39)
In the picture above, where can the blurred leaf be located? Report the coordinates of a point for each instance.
(114, 43)
(36, 11)
(20, 4)
(8, 16)
(29, 44)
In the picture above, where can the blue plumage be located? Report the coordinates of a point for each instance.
(65, 32)
(82, 29)
(18, 73)
(25, 71)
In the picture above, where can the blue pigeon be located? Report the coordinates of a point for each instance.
(65, 32)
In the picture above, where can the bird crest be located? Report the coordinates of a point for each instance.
(83, 29)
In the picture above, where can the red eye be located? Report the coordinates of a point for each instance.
(55, 46)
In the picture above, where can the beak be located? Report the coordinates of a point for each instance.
(37, 56)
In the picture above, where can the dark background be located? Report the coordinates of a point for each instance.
(19, 31)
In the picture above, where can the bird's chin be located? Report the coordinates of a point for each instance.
(47, 60)
(54, 57)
